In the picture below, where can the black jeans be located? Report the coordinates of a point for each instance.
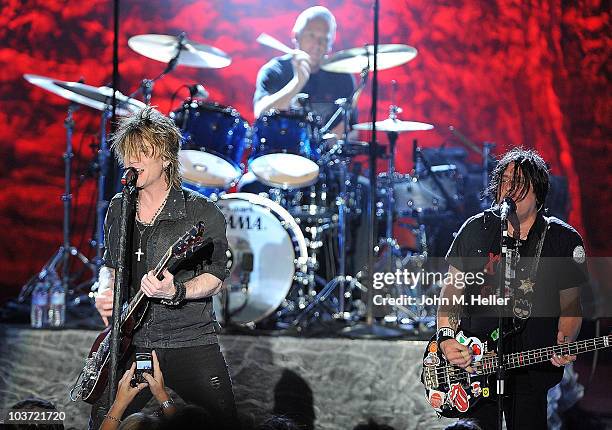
(197, 374)
(522, 411)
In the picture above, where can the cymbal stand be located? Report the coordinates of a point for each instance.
(102, 204)
(146, 85)
(341, 280)
(63, 254)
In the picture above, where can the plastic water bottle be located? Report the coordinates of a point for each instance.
(40, 305)
(57, 303)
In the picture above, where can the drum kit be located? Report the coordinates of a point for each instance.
(293, 249)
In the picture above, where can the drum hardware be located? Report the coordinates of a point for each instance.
(344, 283)
(285, 149)
(215, 138)
(183, 51)
(99, 98)
(175, 51)
(263, 229)
(95, 97)
(63, 255)
(354, 60)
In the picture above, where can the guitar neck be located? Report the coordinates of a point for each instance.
(139, 296)
(513, 360)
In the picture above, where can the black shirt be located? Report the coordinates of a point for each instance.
(477, 248)
(193, 322)
(323, 88)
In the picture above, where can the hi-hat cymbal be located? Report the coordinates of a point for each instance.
(95, 97)
(354, 60)
(394, 125)
(161, 47)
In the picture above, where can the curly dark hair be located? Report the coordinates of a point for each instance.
(530, 172)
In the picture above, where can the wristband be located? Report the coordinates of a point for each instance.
(167, 404)
(444, 333)
(179, 296)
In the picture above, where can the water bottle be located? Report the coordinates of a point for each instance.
(40, 305)
(57, 303)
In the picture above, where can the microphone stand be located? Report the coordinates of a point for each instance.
(509, 252)
(127, 194)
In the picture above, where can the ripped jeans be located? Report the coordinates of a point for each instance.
(198, 374)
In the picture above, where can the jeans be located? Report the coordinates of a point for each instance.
(197, 374)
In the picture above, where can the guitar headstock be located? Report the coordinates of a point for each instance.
(190, 242)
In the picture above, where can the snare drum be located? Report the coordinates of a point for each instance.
(215, 137)
(285, 153)
(267, 248)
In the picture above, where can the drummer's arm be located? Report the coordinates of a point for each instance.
(339, 132)
(280, 100)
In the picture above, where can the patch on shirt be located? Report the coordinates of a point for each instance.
(579, 254)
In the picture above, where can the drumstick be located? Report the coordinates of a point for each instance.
(272, 42)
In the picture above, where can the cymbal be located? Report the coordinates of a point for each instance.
(394, 125)
(95, 97)
(354, 60)
(161, 47)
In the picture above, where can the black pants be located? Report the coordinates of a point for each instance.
(522, 411)
(197, 374)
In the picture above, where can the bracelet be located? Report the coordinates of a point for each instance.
(444, 333)
(112, 418)
(167, 404)
(179, 296)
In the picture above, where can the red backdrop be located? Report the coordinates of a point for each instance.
(532, 73)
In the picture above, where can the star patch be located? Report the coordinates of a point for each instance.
(526, 286)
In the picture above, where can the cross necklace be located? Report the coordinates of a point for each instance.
(139, 253)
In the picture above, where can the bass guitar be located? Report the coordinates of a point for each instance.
(452, 391)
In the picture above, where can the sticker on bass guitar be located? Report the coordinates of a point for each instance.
(458, 397)
(473, 343)
(431, 360)
(436, 399)
(476, 389)
(485, 392)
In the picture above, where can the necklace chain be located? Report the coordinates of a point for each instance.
(159, 209)
(139, 253)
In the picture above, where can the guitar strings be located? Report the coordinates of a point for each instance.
(488, 364)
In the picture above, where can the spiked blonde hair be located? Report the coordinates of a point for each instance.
(153, 134)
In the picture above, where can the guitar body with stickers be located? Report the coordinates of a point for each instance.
(451, 391)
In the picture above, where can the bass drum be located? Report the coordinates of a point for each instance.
(267, 249)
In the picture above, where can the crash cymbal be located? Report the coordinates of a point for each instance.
(354, 60)
(161, 47)
(394, 125)
(95, 97)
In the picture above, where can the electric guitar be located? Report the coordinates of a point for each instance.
(94, 377)
(451, 390)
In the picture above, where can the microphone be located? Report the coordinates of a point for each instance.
(130, 176)
(507, 207)
(198, 90)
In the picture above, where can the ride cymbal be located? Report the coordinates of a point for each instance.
(354, 60)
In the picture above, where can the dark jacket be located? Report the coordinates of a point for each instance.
(193, 322)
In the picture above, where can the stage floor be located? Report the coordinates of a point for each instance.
(323, 383)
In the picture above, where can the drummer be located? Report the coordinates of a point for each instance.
(281, 79)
